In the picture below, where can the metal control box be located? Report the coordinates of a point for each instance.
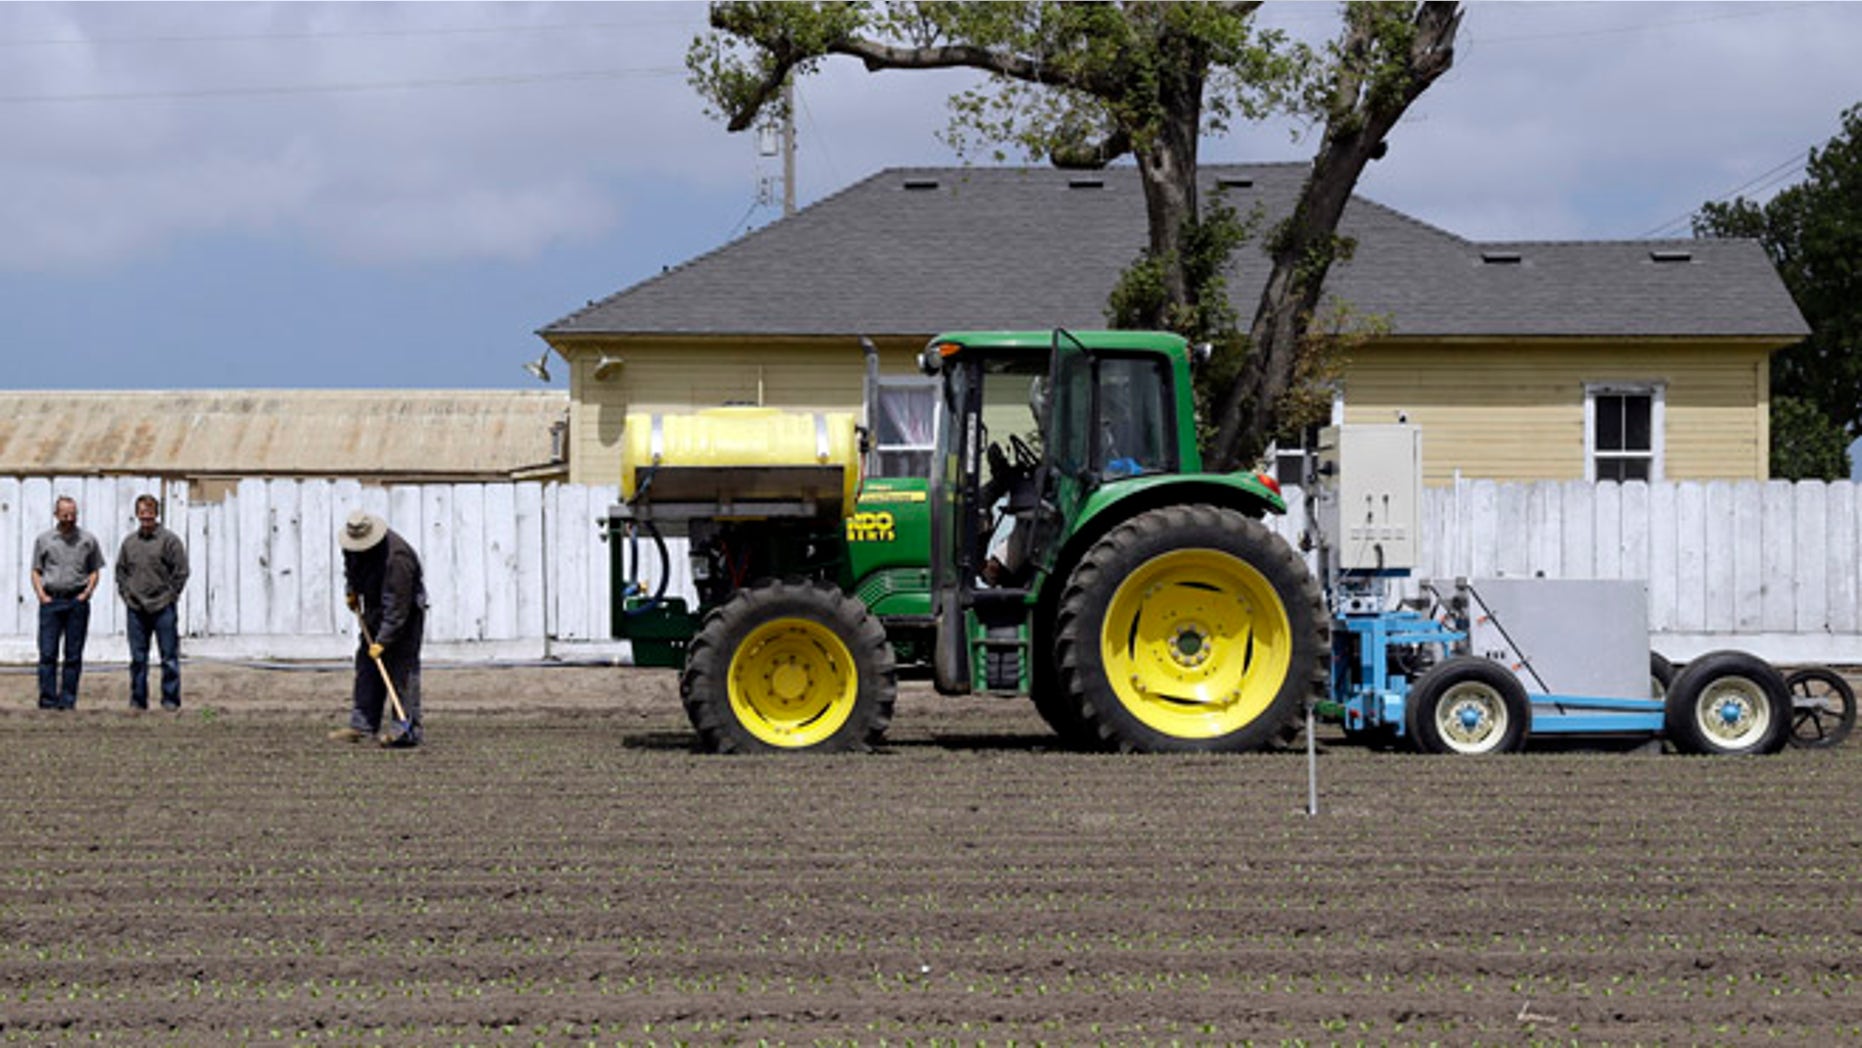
(1562, 636)
(1370, 496)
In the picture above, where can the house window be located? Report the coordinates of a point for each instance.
(1623, 431)
(904, 428)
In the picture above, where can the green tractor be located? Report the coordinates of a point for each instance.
(1066, 546)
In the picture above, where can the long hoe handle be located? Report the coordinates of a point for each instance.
(394, 698)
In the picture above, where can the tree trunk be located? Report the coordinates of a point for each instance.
(1306, 246)
(1167, 168)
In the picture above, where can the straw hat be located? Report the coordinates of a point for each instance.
(362, 531)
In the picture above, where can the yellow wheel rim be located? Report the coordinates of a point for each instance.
(793, 683)
(1196, 643)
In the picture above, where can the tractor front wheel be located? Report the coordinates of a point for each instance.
(1191, 629)
(791, 665)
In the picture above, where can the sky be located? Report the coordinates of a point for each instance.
(398, 195)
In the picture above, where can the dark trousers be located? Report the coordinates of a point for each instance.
(65, 620)
(403, 661)
(139, 625)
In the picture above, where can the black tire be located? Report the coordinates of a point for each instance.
(1728, 702)
(809, 665)
(1823, 708)
(1248, 638)
(1470, 706)
(1661, 675)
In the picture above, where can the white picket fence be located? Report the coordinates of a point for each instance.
(519, 571)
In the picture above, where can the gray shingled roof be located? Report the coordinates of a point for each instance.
(918, 250)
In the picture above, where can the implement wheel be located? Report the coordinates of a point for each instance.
(792, 665)
(1728, 702)
(1191, 629)
(1823, 708)
(1468, 705)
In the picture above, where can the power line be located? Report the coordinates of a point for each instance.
(348, 88)
(344, 34)
(1756, 185)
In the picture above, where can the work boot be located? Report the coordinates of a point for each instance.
(347, 734)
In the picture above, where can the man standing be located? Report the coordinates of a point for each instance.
(151, 570)
(382, 575)
(65, 562)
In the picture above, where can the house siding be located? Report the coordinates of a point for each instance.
(1515, 411)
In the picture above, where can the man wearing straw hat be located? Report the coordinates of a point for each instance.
(382, 577)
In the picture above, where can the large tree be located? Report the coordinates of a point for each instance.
(1813, 233)
(1081, 85)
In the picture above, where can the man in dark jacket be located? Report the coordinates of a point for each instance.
(382, 575)
(151, 570)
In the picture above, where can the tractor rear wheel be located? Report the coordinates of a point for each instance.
(791, 665)
(1191, 629)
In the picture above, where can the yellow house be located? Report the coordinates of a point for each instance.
(1520, 361)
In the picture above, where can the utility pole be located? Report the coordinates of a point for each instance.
(788, 145)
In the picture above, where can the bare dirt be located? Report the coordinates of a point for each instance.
(557, 866)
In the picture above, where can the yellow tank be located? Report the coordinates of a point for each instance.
(743, 461)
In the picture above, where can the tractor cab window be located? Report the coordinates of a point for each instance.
(904, 427)
(1135, 425)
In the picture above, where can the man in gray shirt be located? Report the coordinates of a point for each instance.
(65, 562)
(151, 571)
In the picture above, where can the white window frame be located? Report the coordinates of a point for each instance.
(907, 384)
(1657, 392)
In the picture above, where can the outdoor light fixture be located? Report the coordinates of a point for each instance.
(606, 365)
(540, 367)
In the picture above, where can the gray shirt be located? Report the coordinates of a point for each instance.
(151, 569)
(64, 562)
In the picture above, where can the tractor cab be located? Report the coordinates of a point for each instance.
(1035, 426)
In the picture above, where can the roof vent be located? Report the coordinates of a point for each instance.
(1501, 258)
(1086, 183)
(1681, 255)
(921, 183)
(1234, 182)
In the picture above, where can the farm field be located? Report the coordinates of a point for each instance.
(556, 867)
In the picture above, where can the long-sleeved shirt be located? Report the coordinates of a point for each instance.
(388, 578)
(151, 569)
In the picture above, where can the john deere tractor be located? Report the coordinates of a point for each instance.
(1067, 546)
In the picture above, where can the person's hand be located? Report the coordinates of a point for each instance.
(374, 651)
(352, 600)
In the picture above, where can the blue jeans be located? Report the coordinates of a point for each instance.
(67, 620)
(139, 624)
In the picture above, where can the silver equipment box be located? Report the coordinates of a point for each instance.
(1586, 637)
